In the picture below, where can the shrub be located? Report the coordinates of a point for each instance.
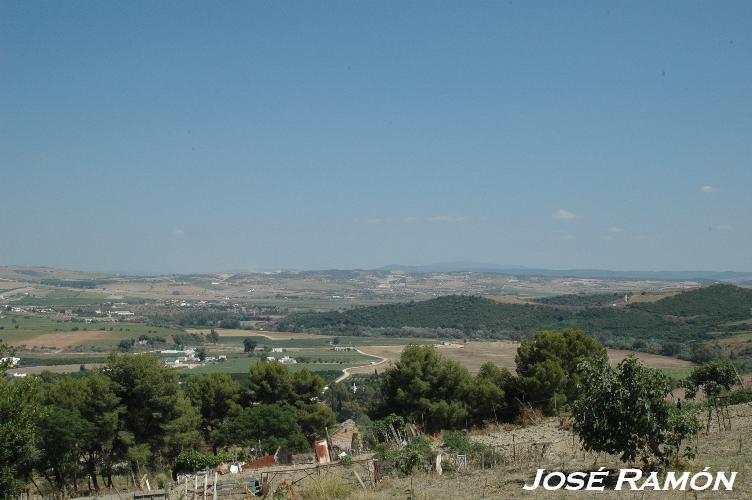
(417, 454)
(624, 411)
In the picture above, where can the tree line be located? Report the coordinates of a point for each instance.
(77, 431)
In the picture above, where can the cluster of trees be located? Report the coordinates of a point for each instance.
(623, 410)
(216, 315)
(179, 339)
(439, 393)
(464, 313)
(75, 431)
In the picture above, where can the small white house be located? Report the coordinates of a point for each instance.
(122, 313)
(13, 361)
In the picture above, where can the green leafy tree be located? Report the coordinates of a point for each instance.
(125, 345)
(548, 366)
(249, 345)
(20, 412)
(486, 393)
(156, 413)
(348, 403)
(213, 336)
(273, 425)
(712, 379)
(427, 388)
(229, 323)
(92, 399)
(201, 354)
(270, 382)
(624, 411)
(306, 386)
(64, 435)
(214, 395)
(314, 418)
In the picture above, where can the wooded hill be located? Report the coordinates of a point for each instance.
(667, 326)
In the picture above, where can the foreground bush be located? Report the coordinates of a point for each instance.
(416, 455)
(624, 411)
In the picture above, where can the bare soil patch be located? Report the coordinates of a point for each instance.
(66, 339)
(650, 360)
(507, 299)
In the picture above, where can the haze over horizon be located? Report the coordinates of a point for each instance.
(191, 137)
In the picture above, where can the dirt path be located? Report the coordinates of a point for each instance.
(346, 372)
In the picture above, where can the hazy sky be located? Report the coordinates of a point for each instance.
(193, 136)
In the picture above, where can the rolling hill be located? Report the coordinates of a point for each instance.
(670, 326)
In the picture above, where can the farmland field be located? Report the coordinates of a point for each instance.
(39, 332)
(502, 353)
(34, 335)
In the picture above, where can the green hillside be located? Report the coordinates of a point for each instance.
(463, 313)
(717, 302)
(674, 325)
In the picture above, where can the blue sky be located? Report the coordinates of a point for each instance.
(198, 136)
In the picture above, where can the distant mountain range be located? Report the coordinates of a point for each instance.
(480, 267)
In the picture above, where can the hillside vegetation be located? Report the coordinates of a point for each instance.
(718, 302)
(676, 325)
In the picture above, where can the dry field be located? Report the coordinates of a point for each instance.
(507, 299)
(65, 339)
(502, 353)
(650, 360)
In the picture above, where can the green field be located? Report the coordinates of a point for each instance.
(677, 373)
(19, 330)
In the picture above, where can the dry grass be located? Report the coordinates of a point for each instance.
(66, 339)
(502, 353)
(507, 299)
(723, 450)
(650, 360)
(327, 486)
